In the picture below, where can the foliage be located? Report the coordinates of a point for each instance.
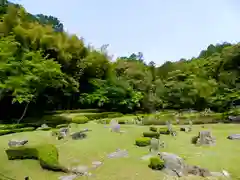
(164, 130)
(142, 141)
(43, 68)
(62, 126)
(151, 134)
(46, 154)
(156, 163)
(80, 119)
(44, 128)
(153, 128)
(11, 131)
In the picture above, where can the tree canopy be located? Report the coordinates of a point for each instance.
(42, 67)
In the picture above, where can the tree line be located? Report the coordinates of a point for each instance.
(44, 68)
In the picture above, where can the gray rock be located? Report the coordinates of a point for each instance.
(154, 145)
(44, 126)
(79, 170)
(96, 164)
(173, 163)
(205, 138)
(64, 131)
(118, 154)
(234, 137)
(78, 135)
(69, 177)
(198, 171)
(234, 118)
(17, 143)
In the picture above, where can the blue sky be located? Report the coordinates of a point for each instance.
(162, 29)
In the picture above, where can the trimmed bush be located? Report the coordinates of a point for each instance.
(164, 130)
(151, 134)
(143, 141)
(156, 163)
(194, 139)
(153, 129)
(80, 119)
(121, 121)
(11, 131)
(62, 126)
(103, 115)
(104, 121)
(11, 126)
(54, 120)
(46, 154)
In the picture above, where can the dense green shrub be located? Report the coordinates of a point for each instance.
(80, 119)
(103, 115)
(5, 132)
(153, 129)
(151, 134)
(156, 163)
(143, 141)
(121, 121)
(11, 126)
(54, 120)
(74, 111)
(11, 131)
(62, 126)
(46, 154)
(164, 130)
(104, 121)
(44, 128)
(24, 129)
(151, 120)
(194, 139)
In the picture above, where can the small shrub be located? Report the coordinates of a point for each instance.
(46, 154)
(164, 130)
(151, 120)
(153, 129)
(194, 139)
(151, 134)
(143, 141)
(54, 120)
(12, 126)
(11, 131)
(26, 129)
(156, 163)
(5, 132)
(62, 126)
(121, 121)
(104, 121)
(80, 120)
(55, 133)
(103, 115)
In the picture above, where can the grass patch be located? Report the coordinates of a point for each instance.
(100, 142)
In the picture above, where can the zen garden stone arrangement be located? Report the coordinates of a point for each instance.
(168, 163)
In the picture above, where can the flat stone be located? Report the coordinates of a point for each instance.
(234, 137)
(69, 177)
(96, 164)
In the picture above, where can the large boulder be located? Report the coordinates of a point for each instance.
(78, 135)
(205, 138)
(173, 164)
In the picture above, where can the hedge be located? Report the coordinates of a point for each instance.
(151, 134)
(143, 141)
(164, 130)
(156, 163)
(62, 126)
(46, 154)
(44, 128)
(74, 111)
(11, 131)
(80, 119)
(153, 129)
(11, 126)
(103, 115)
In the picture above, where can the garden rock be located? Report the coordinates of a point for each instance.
(63, 131)
(115, 128)
(16, 143)
(174, 165)
(234, 137)
(234, 118)
(96, 164)
(69, 177)
(154, 145)
(78, 135)
(118, 154)
(80, 170)
(205, 138)
(198, 171)
(44, 126)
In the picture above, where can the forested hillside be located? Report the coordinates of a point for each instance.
(43, 68)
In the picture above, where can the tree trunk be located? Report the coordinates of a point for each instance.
(23, 114)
